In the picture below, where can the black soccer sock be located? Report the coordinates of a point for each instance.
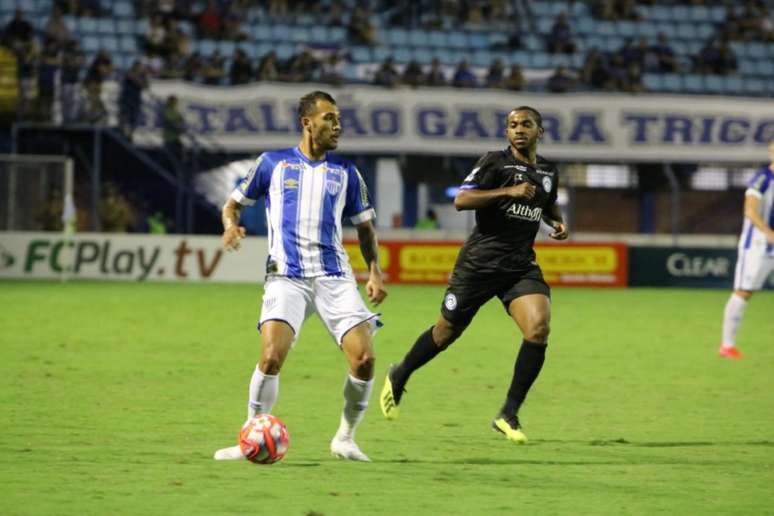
(525, 371)
(422, 352)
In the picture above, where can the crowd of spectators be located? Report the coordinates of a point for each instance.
(167, 49)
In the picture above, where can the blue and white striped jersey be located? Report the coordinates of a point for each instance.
(305, 203)
(761, 186)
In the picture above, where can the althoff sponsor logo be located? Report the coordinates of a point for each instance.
(520, 211)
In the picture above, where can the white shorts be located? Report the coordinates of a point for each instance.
(752, 270)
(336, 300)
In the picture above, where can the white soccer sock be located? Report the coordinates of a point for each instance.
(732, 319)
(264, 389)
(356, 395)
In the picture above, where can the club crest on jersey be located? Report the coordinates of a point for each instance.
(547, 184)
(332, 186)
(450, 301)
(518, 178)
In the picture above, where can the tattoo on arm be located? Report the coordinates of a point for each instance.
(369, 248)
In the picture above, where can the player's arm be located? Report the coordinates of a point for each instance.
(232, 231)
(752, 205)
(369, 248)
(552, 216)
(473, 198)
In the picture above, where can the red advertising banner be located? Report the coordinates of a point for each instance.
(563, 264)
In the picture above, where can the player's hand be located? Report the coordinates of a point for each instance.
(522, 191)
(232, 236)
(560, 231)
(375, 289)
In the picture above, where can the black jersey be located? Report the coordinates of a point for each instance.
(505, 230)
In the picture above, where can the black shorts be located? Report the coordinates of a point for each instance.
(465, 295)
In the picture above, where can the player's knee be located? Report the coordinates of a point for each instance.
(271, 361)
(538, 331)
(445, 334)
(364, 366)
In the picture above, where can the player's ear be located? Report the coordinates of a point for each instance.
(540, 133)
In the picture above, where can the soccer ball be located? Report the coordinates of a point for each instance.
(264, 439)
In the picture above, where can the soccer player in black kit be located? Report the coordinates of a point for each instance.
(512, 191)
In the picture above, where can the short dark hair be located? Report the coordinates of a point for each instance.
(535, 114)
(308, 102)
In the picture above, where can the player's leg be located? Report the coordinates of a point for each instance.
(751, 272)
(285, 306)
(460, 305)
(358, 385)
(427, 346)
(344, 313)
(529, 305)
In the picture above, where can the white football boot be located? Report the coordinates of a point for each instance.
(346, 449)
(230, 453)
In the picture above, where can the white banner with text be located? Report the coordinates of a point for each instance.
(581, 126)
(129, 257)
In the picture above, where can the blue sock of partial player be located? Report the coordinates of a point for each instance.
(356, 395)
(263, 392)
(529, 362)
(422, 352)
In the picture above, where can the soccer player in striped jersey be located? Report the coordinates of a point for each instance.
(308, 191)
(755, 261)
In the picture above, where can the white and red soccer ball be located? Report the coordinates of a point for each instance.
(264, 439)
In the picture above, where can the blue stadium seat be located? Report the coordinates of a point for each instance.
(693, 83)
(540, 60)
(402, 55)
(747, 66)
(680, 12)
(647, 29)
(560, 60)
(757, 50)
(577, 60)
(755, 86)
(360, 54)
(733, 84)
(299, 35)
(8, 6)
(109, 42)
(106, 26)
(129, 44)
(445, 56)
(714, 84)
(653, 82)
(701, 13)
(381, 53)
(337, 34)
(423, 56)
(626, 29)
(481, 59)
(285, 51)
(458, 39)
(226, 47)
(766, 67)
(672, 82)
(585, 25)
(90, 43)
(718, 13)
(544, 25)
(479, 40)
(437, 38)
(261, 32)
(281, 32)
(541, 9)
(123, 9)
(685, 30)
(396, 36)
(141, 26)
(498, 39)
(532, 42)
(125, 26)
(418, 38)
(206, 47)
(520, 57)
(87, 25)
(680, 47)
(660, 13)
(318, 34)
(606, 28)
(704, 30)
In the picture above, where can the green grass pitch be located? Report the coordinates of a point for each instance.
(114, 397)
